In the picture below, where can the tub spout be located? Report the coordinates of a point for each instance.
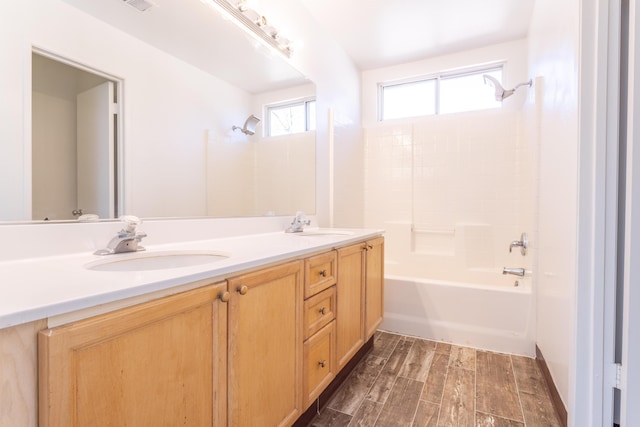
(514, 271)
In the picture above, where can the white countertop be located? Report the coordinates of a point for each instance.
(39, 288)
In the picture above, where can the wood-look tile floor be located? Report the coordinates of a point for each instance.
(407, 381)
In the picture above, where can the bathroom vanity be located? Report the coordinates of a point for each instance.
(251, 339)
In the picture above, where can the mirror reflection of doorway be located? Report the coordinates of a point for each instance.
(74, 132)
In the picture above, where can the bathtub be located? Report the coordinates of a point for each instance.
(491, 317)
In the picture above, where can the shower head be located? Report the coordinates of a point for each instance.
(500, 92)
(249, 127)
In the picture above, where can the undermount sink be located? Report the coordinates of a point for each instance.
(324, 232)
(161, 260)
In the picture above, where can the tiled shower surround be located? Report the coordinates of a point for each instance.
(452, 192)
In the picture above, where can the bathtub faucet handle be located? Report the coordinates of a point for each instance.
(523, 243)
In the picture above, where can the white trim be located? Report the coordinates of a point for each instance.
(585, 406)
(630, 410)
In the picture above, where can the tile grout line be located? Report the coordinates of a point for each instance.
(515, 380)
(446, 375)
(475, 387)
(424, 383)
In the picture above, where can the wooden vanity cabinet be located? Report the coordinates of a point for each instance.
(157, 363)
(374, 285)
(255, 350)
(265, 346)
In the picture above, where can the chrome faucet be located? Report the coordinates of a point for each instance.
(127, 239)
(523, 243)
(298, 223)
(514, 271)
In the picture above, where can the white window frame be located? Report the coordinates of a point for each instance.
(437, 77)
(306, 101)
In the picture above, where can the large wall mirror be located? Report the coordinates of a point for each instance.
(176, 79)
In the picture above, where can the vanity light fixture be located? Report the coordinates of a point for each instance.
(254, 23)
(249, 127)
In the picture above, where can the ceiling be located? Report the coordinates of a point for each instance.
(374, 33)
(379, 33)
(196, 33)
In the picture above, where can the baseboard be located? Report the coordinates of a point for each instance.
(555, 396)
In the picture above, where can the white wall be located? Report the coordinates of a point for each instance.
(54, 193)
(554, 56)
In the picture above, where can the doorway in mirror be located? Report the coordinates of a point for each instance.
(75, 127)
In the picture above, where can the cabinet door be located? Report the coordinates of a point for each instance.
(319, 362)
(265, 347)
(153, 364)
(350, 304)
(374, 285)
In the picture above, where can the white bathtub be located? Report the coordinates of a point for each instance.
(497, 318)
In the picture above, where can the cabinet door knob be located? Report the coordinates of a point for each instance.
(322, 363)
(323, 273)
(323, 310)
(242, 290)
(224, 296)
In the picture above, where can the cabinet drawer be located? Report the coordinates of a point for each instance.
(319, 362)
(320, 273)
(319, 310)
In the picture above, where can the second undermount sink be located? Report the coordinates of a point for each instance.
(159, 260)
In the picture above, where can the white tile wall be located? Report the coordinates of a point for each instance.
(461, 182)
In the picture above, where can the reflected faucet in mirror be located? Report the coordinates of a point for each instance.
(127, 239)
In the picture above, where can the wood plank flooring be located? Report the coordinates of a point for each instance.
(407, 381)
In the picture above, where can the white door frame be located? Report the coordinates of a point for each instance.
(593, 377)
(630, 378)
(594, 373)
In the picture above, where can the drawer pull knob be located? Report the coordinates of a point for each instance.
(242, 290)
(224, 296)
(323, 310)
(322, 363)
(323, 273)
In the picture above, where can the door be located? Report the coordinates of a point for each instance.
(96, 150)
(350, 307)
(159, 363)
(374, 285)
(265, 347)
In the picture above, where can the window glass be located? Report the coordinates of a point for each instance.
(409, 99)
(441, 94)
(468, 92)
(291, 118)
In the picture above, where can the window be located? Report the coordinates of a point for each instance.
(440, 94)
(291, 117)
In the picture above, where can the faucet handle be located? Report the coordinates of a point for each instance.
(130, 222)
(523, 243)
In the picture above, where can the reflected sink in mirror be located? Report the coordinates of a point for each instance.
(161, 260)
(324, 232)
